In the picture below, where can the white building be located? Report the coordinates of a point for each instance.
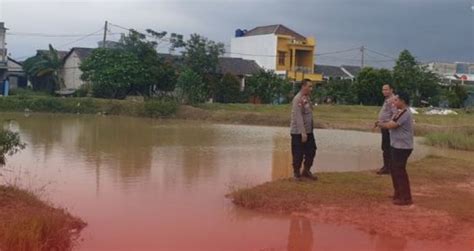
(3, 51)
(457, 71)
(71, 73)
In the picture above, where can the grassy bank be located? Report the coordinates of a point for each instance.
(436, 128)
(151, 108)
(443, 191)
(454, 139)
(29, 224)
(361, 118)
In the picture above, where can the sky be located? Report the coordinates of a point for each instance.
(433, 30)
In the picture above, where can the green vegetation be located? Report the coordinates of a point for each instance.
(149, 108)
(191, 89)
(444, 183)
(29, 224)
(43, 70)
(10, 144)
(460, 140)
(266, 87)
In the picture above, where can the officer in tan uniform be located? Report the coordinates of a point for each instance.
(303, 145)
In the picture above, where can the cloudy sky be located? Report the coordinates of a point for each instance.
(440, 30)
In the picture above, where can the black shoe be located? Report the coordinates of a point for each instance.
(297, 176)
(383, 171)
(400, 202)
(308, 175)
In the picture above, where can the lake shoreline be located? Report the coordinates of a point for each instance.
(443, 191)
(28, 223)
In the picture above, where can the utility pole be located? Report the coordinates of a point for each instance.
(362, 50)
(105, 33)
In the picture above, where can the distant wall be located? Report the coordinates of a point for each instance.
(261, 48)
(71, 73)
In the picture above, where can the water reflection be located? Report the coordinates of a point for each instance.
(167, 180)
(300, 237)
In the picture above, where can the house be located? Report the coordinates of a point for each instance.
(240, 68)
(277, 48)
(70, 72)
(451, 73)
(3, 52)
(61, 54)
(16, 74)
(330, 72)
(351, 70)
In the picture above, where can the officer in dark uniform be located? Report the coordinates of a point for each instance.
(303, 145)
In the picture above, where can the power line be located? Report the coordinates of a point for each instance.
(81, 38)
(27, 34)
(381, 54)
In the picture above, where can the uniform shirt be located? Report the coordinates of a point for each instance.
(301, 115)
(388, 111)
(402, 136)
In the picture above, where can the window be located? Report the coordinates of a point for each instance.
(281, 58)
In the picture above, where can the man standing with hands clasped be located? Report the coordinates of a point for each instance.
(385, 115)
(401, 140)
(303, 145)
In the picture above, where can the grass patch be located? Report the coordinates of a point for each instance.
(29, 224)
(149, 108)
(437, 184)
(460, 140)
(353, 117)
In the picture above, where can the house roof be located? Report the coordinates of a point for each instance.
(353, 70)
(330, 71)
(237, 66)
(81, 52)
(15, 61)
(61, 54)
(277, 29)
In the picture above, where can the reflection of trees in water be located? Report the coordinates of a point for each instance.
(300, 237)
(281, 158)
(124, 145)
(190, 152)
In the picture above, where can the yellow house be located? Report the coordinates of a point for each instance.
(278, 48)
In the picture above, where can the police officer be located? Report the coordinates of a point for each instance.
(401, 141)
(303, 145)
(385, 115)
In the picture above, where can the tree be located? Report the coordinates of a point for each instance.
(43, 70)
(228, 90)
(202, 57)
(415, 79)
(268, 87)
(368, 86)
(456, 96)
(158, 75)
(339, 91)
(190, 88)
(10, 144)
(112, 72)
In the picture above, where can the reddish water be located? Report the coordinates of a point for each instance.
(152, 185)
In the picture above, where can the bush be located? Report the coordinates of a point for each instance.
(27, 92)
(10, 144)
(83, 91)
(160, 108)
(228, 90)
(191, 88)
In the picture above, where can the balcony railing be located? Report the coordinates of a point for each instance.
(303, 69)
